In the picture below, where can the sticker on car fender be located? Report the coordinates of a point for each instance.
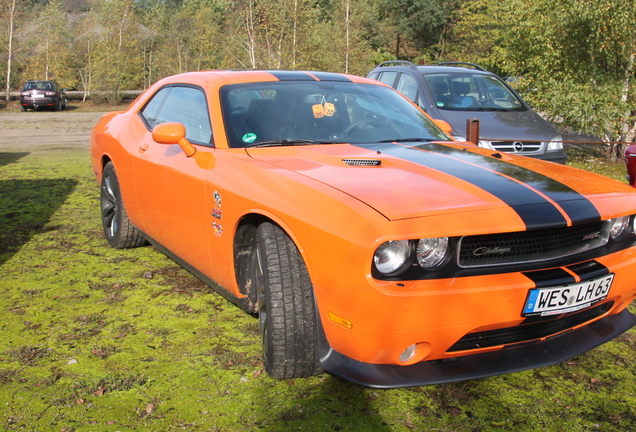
(568, 298)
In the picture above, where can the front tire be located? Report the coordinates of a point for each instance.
(119, 231)
(286, 309)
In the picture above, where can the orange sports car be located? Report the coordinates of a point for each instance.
(368, 242)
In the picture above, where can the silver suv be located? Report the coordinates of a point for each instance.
(455, 92)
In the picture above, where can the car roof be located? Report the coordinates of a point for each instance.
(439, 68)
(276, 75)
(221, 78)
(251, 76)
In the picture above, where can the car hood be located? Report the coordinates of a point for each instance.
(407, 181)
(502, 125)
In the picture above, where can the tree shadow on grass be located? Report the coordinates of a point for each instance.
(332, 405)
(25, 208)
(9, 158)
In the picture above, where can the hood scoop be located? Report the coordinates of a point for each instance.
(363, 162)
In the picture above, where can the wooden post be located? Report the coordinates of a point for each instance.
(472, 131)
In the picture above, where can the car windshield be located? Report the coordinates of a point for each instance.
(321, 112)
(471, 92)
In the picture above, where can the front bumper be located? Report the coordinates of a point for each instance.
(513, 359)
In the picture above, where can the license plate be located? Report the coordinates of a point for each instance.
(568, 298)
(38, 95)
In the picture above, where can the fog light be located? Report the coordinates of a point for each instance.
(415, 353)
(408, 353)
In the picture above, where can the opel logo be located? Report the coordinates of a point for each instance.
(518, 145)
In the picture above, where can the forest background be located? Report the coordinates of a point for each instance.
(574, 59)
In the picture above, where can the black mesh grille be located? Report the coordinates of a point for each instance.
(528, 332)
(529, 246)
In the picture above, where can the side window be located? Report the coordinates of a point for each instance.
(388, 78)
(151, 110)
(408, 87)
(186, 105)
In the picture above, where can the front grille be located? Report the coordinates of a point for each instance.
(528, 332)
(516, 146)
(529, 246)
(362, 162)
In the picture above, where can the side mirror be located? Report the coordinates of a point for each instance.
(173, 133)
(443, 125)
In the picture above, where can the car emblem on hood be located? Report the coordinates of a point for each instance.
(518, 145)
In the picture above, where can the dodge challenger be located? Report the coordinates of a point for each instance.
(368, 242)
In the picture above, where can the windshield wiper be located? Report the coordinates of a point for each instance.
(492, 109)
(291, 142)
(406, 140)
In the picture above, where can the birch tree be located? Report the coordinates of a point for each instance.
(9, 11)
(579, 55)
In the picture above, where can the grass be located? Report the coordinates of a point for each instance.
(97, 339)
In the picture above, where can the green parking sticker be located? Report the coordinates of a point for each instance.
(249, 137)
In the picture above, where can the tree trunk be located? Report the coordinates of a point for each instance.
(10, 51)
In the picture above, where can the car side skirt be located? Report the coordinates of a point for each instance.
(240, 302)
(507, 360)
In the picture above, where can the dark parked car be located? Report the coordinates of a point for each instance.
(455, 92)
(43, 94)
(630, 159)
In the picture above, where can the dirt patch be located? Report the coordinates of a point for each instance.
(46, 130)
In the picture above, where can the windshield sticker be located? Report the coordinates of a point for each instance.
(249, 137)
(217, 198)
(440, 104)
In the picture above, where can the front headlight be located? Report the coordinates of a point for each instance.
(392, 256)
(431, 252)
(620, 228)
(555, 143)
(485, 144)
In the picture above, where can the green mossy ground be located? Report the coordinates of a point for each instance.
(97, 339)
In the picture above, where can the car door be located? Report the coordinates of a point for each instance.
(171, 186)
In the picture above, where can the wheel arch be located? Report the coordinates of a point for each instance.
(243, 248)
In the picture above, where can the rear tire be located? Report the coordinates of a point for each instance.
(286, 309)
(119, 231)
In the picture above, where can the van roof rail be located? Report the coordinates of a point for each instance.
(473, 65)
(403, 62)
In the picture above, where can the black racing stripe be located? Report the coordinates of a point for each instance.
(534, 210)
(328, 76)
(589, 270)
(292, 76)
(578, 208)
(550, 277)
